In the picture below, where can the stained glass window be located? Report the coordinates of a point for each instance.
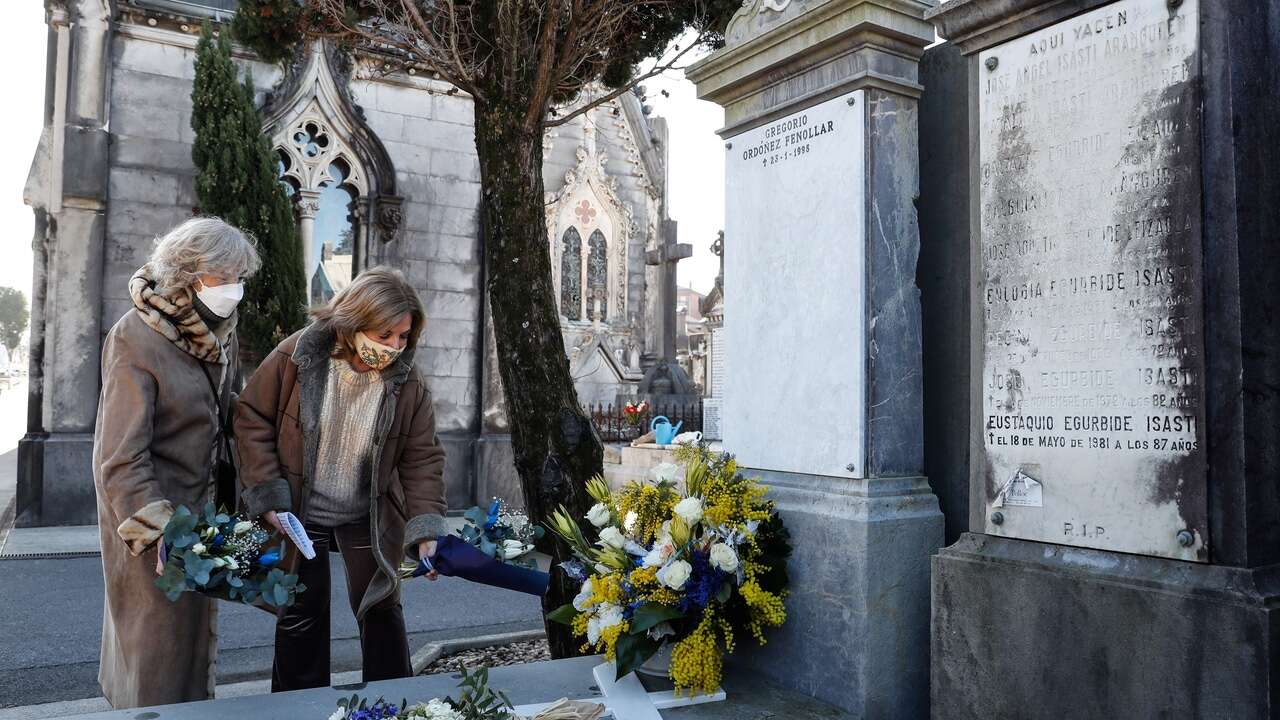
(598, 277)
(571, 275)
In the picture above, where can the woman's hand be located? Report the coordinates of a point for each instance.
(270, 518)
(427, 548)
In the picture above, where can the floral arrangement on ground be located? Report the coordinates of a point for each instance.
(223, 556)
(695, 568)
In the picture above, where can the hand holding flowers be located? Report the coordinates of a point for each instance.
(223, 556)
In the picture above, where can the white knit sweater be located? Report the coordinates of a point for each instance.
(340, 486)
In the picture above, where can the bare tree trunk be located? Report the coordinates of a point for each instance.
(556, 447)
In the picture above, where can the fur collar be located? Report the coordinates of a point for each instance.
(173, 315)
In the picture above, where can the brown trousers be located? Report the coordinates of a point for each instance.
(302, 632)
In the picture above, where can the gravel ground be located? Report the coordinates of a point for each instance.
(496, 656)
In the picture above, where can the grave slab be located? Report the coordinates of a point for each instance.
(543, 682)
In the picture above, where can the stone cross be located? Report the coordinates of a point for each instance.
(717, 249)
(665, 257)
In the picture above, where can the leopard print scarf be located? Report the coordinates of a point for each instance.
(172, 314)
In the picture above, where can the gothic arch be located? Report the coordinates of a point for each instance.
(589, 203)
(315, 126)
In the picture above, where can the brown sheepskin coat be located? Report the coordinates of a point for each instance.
(152, 451)
(277, 429)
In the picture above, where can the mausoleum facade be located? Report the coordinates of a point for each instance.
(381, 165)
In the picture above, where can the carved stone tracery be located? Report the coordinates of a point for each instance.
(589, 204)
(315, 126)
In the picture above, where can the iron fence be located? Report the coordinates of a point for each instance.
(612, 424)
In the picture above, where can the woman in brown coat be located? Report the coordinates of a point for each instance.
(155, 443)
(337, 428)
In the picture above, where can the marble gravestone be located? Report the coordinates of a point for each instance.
(794, 206)
(820, 101)
(713, 407)
(1123, 558)
(1091, 282)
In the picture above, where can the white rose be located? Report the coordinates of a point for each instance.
(338, 714)
(242, 527)
(689, 510)
(665, 472)
(593, 630)
(198, 548)
(613, 537)
(219, 562)
(583, 600)
(598, 515)
(661, 552)
(724, 558)
(232, 564)
(609, 615)
(629, 523)
(675, 575)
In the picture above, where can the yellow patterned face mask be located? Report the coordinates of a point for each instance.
(375, 354)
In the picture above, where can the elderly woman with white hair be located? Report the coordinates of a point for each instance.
(167, 370)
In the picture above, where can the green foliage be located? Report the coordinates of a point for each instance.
(238, 182)
(633, 651)
(478, 701)
(13, 316)
(563, 615)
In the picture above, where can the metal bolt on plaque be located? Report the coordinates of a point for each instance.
(997, 518)
(993, 63)
(728, 146)
(1185, 538)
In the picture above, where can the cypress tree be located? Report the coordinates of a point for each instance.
(238, 181)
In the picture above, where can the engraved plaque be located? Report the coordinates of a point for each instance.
(795, 203)
(1090, 283)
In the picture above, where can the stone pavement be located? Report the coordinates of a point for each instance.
(749, 698)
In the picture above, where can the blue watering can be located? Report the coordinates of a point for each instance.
(663, 431)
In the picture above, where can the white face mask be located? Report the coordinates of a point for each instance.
(221, 299)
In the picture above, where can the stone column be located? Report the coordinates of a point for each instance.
(308, 208)
(1123, 558)
(822, 375)
(69, 186)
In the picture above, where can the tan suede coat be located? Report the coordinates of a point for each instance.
(277, 430)
(152, 451)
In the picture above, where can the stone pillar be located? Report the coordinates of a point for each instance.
(308, 208)
(822, 374)
(1123, 558)
(68, 187)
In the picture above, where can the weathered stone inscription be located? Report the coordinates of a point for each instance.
(1090, 273)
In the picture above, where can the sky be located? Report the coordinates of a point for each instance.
(22, 50)
(696, 173)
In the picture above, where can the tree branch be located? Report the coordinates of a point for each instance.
(656, 70)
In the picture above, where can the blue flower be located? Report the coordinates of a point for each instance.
(492, 520)
(574, 570)
(703, 584)
(269, 558)
(219, 540)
